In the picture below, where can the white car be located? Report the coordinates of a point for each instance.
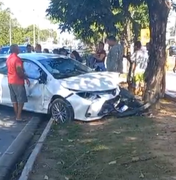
(63, 87)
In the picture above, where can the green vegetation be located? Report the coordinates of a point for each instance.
(93, 20)
(19, 34)
(125, 149)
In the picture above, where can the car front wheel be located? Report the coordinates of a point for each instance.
(61, 111)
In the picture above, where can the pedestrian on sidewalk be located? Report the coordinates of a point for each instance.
(97, 60)
(16, 80)
(29, 48)
(38, 48)
(139, 64)
(100, 57)
(114, 61)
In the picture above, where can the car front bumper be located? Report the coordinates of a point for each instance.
(89, 110)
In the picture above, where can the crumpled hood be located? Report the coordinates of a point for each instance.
(95, 81)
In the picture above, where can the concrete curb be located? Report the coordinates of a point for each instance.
(30, 163)
(170, 98)
(16, 149)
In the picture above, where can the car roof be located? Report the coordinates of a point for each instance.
(35, 56)
(22, 45)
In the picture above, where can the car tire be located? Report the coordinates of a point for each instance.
(61, 111)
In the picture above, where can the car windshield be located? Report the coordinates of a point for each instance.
(64, 67)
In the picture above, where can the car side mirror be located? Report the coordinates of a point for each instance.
(42, 79)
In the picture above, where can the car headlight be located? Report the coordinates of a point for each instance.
(88, 95)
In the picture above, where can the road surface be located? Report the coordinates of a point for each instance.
(171, 84)
(9, 129)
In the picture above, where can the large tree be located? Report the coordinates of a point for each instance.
(104, 14)
(92, 20)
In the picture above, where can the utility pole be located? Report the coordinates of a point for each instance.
(34, 35)
(10, 30)
(38, 25)
(34, 41)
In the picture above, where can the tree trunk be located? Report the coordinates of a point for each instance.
(154, 75)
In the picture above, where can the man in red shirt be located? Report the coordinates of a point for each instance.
(16, 78)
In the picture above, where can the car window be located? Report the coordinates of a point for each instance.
(31, 70)
(64, 67)
(4, 50)
(22, 49)
(3, 67)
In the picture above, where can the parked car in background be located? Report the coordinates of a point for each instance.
(63, 87)
(172, 51)
(6, 49)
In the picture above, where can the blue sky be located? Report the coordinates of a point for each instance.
(29, 11)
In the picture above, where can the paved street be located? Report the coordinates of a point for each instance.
(171, 84)
(9, 129)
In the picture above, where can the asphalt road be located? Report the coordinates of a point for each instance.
(9, 129)
(171, 84)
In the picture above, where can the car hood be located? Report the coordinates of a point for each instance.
(94, 81)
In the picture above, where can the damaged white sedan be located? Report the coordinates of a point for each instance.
(64, 88)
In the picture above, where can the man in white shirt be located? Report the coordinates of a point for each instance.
(139, 59)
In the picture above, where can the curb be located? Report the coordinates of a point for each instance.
(16, 149)
(30, 163)
(170, 98)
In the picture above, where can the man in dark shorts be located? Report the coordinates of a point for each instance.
(16, 80)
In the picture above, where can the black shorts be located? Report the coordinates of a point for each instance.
(17, 93)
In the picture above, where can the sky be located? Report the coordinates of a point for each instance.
(28, 12)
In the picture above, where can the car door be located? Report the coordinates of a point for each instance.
(35, 92)
(4, 88)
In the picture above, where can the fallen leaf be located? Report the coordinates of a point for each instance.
(142, 175)
(112, 162)
(60, 162)
(46, 177)
(116, 132)
(134, 159)
(70, 140)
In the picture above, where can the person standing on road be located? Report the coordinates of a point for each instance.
(28, 48)
(16, 80)
(115, 56)
(38, 48)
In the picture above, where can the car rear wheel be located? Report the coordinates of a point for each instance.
(61, 111)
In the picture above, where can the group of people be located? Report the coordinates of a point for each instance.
(62, 51)
(114, 60)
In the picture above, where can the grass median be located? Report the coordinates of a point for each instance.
(112, 149)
